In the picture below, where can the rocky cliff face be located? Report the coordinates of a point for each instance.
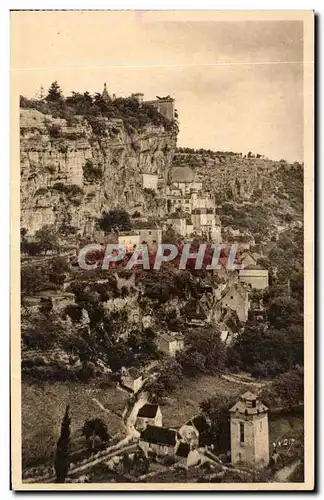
(71, 174)
(250, 192)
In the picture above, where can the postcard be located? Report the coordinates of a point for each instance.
(162, 240)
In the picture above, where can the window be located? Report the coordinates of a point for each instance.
(231, 296)
(241, 432)
(261, 425)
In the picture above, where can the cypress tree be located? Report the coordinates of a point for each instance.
(61, 462)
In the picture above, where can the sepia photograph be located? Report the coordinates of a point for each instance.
(162, 274)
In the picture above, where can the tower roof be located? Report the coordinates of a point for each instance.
(249, 404)
(105, 94)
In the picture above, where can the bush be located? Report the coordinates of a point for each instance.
(41, 191)
(117, 218)
(47, 239)
(98, 126)
(70, 190)
(55, 131)
(91, 172)
(32, 280)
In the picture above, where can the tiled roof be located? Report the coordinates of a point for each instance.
(169, 337)
(132, 372)
(182, 174)
(148, 411)
(141, 224)
(183, 450)
(249, 405)
(243, 291)
(254, 271)
(249, 396)
(159, 435)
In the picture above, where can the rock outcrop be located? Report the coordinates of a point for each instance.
(72, 173)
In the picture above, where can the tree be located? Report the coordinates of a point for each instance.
(57, 270)
(95, 428)
(165, 381)
(284, 311)
(43, 334)
(171, 236)
(32, 280)
(117, 219)
(209, 346)
(54, 93)
(289, 388)
(266, 351)
(61, 462)
(216, 409)
(40, 94)
(192, 362)
(47, 238)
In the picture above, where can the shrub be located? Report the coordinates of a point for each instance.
(149, 192)
(91, 172)
(73, 136)
(47, 238)
(55, 131)
(117, 218)
(32, 280)
(71, 190)
(50, 168)
(98, 126)
(40, 191)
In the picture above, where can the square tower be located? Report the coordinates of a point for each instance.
(249, 431)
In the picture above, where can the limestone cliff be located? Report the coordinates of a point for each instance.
(72, 173)
(251, 192)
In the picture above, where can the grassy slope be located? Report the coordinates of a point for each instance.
(183, 403)
(43, 407)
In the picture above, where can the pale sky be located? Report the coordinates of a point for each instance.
(238, 85)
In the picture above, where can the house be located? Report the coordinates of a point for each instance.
(149, 414)
(202, 428)
(131, 380)
(236, 297)
(181, 175)
(150, 181)
(130, 240)
(247, 259)
(187, 456)
(178, 222)
(256, 278)
(189, 226)
(165, 106)
(159, 440)
(190, 434)
(170, 344)
(194, 312)
(150, 232)
(229, 326)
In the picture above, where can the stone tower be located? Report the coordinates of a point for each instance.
(105, 95)
(139, 97)
(249, 431)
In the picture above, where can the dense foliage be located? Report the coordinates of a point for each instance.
(117, 219)
(94, 107)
